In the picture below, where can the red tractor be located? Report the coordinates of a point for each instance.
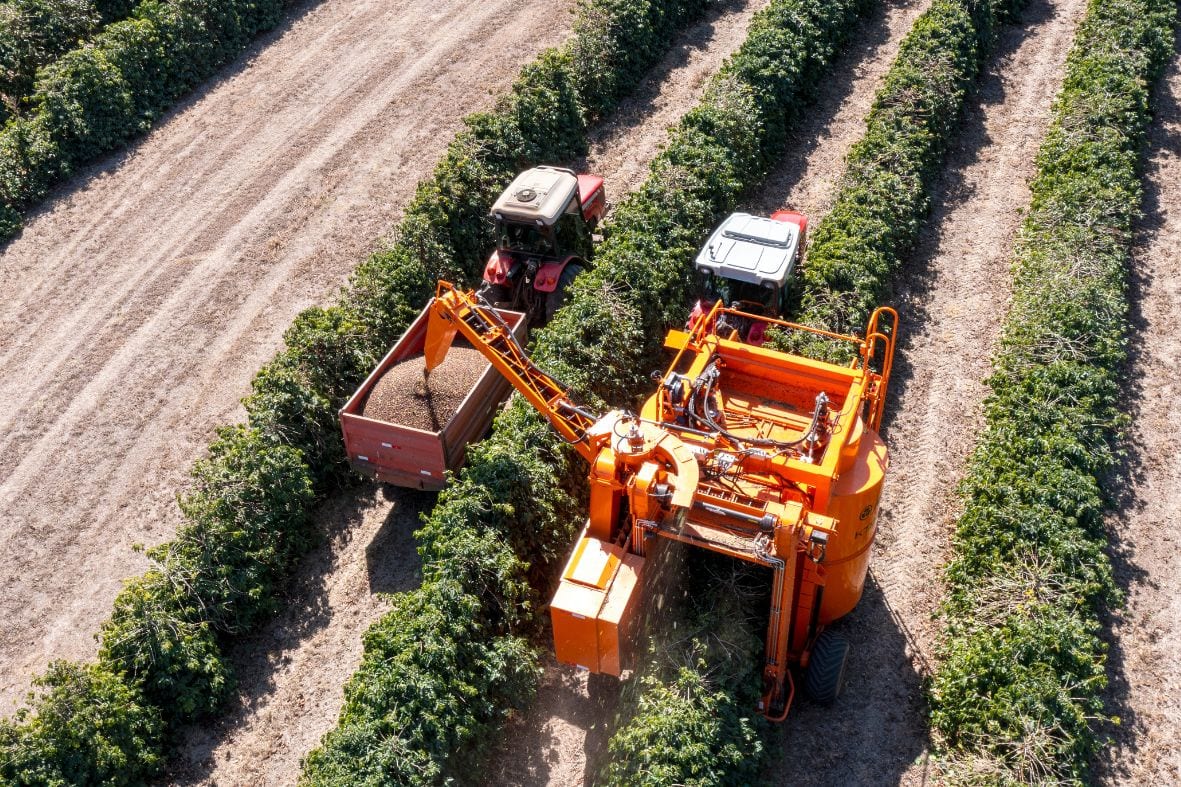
(544, 221)
(746, 264)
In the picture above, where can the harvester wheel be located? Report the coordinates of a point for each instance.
(554, 300)
(825, 675)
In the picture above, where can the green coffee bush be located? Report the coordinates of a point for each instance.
(687, 718)
(90, 727)
(34, 33)
(161, 637)
(1019, 691)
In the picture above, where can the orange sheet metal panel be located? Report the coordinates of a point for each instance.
(595, 606)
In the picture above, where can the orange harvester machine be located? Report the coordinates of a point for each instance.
(758, 454)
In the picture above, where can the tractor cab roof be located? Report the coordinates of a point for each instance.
(537, 196)
(751, 249)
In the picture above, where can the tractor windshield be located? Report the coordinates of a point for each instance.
(526, 239)
(743, 294)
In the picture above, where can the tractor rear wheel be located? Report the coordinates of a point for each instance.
(554, 300)
(825, 675)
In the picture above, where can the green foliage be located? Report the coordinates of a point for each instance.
(689, 717)
(91, 727)
(159, 635)
(34, 33)
(1023, 667)
(884, 193)
(93, 98)
(684, 732)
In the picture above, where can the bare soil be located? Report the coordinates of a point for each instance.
(1145, 687)
(139, 302)
(403, 395)
(952, 296)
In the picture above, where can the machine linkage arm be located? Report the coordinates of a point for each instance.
(454, 310)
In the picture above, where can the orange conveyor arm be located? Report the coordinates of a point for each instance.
(454, 310)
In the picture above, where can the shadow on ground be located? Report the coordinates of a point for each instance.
(1124, 738)
(392, 565)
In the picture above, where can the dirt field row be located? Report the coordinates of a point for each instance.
(293, 672)
(1146, 688)
(139, 303)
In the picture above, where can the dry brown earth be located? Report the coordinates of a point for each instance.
(1146, 656)
(140, 301)
(952, 295)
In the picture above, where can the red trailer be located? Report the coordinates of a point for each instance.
(406, 456)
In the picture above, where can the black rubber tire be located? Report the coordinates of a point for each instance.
(554, 300)
(825, 676)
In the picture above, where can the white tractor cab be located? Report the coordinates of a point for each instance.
(746, 264)
(544, 221)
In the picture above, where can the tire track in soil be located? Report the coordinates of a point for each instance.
(292, 674)
(140, 301)
(952, 296)
(1146, 649)
(558, 739)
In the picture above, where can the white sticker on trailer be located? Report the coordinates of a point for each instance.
(425, 472)
(363, 458)
(387, 445)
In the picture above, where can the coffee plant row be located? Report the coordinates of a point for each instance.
(1018, 694)
(882, 201)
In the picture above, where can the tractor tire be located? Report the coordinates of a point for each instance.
(825, 676)
(556, 299)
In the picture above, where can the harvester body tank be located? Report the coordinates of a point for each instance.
(755, 453)
(854, 504)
